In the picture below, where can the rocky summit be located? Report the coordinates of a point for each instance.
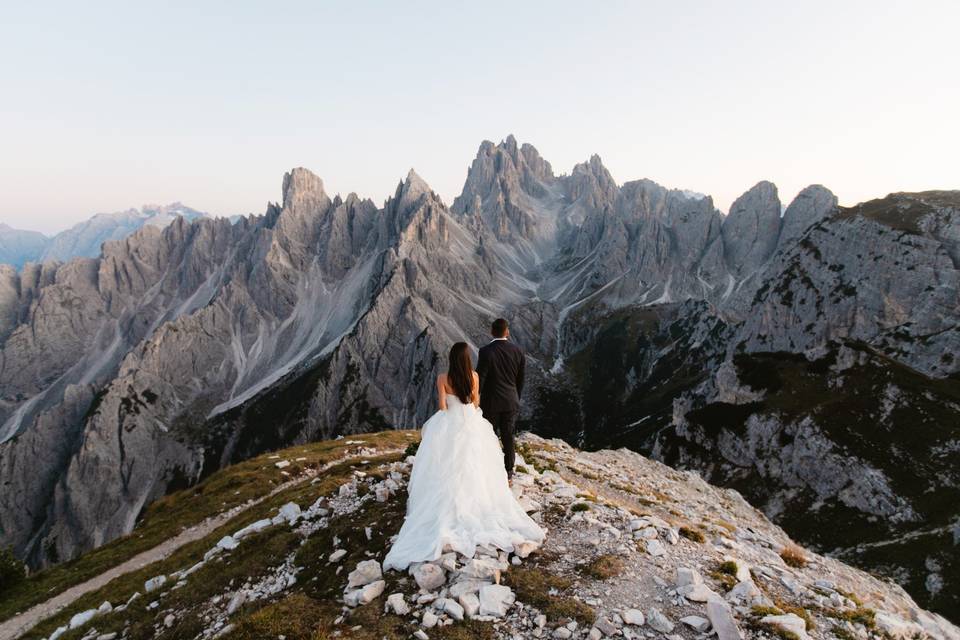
(634, 549)
(805, 358)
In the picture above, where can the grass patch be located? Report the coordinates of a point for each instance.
(604, 567)
(12, 571)
(726, 581)
(164, 518)
(774, 630)
(694, 535)
(793, 556)
(860, 615)
(533, 586)
(580, 506)
(843, 634)
(729, 567)
(295, 617)
(761, 610)
(799, 612)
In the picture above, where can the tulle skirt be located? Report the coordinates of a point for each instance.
(458, 495)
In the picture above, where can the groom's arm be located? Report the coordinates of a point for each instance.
(521, 374)
(483, 366)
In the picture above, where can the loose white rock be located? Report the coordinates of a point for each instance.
(789, 622)
(366, 572)
(470, 603)
(453, 609)
(153, 584)
(228, 543)
(255, 527)
(429, 620)
(290, 512)
(397, 604)
(696, 622)
(495, 600)
(722, 620)
(658, 621)
(82, 618)
(429, 576)
(634, 617)
(371, 592)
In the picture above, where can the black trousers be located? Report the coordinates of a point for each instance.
(504, 423)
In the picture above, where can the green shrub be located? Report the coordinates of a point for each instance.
(11, 570)
(729, 567)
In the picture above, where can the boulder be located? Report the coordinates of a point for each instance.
(371, 592)
(82, 618)
(397, 604)
(470, 603)
(429, 620)
(658, 621)
(429, 576)
(696, 623)
(634, 617)
(290, 512)
(495, 600)
(721, 617)
(255, 527)
(655, 548)
(789, 622)
(154, 583)
(366, 572)
(227, 543)
(453, 609)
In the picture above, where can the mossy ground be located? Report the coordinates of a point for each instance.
(251, 559)
(604, 567)
(548, 592)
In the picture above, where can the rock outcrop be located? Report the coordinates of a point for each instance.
(633, 549)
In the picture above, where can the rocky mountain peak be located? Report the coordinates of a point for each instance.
(752, 228)
(412, 188)
(302, 187)
(812, 204)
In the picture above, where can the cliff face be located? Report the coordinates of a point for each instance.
(183, 348)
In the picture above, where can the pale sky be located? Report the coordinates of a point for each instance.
(111, 105)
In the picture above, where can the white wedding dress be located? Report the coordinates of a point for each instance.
(458, 496)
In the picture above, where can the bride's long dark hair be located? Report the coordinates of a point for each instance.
(460, 372)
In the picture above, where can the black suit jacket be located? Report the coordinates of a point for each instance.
(500, 367)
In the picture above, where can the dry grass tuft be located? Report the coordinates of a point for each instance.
(793, 556)
(604, 567)
(692, 534)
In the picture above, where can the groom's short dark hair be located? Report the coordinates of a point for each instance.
(499, 328)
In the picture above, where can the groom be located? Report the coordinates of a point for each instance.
(500, 367)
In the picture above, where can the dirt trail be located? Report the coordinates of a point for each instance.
(20, 624)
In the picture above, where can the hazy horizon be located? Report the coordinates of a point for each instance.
(116, 105)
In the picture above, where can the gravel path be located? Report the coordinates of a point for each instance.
(20, 624)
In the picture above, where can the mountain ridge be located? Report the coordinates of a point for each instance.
(182, 342)
(17, 247)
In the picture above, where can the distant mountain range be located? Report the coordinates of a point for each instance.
(17, 247)
(805, 355)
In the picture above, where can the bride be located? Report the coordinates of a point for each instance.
(458, 496)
